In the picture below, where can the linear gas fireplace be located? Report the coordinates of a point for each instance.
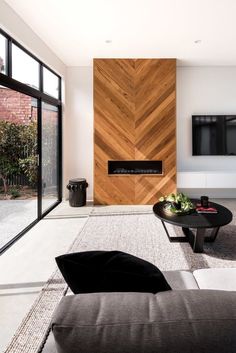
(134, 167)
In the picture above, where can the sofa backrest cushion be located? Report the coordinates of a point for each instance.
(200, 321)
(110, 271)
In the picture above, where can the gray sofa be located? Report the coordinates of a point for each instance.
(197, 316)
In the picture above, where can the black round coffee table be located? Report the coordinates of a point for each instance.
(194, 220)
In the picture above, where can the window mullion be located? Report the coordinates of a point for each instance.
(9, 58)
(41, 78)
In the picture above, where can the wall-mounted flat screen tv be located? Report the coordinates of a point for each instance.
(214, 135)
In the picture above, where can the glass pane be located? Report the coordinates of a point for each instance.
(24, 68)
(49, 155)
(3, 45)
(18, 163)
(50, 83)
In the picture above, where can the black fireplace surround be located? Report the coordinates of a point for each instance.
(134, 167)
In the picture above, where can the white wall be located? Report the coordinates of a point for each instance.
(78, 132)
(203, 90)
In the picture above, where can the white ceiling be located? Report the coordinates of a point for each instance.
(76, 30)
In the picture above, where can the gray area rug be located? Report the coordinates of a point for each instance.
(133, 230)
(143, 235)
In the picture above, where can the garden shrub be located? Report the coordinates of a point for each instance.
(18, 148)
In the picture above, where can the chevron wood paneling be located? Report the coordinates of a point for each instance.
(134, 119)
(114, 127)
(155, 126)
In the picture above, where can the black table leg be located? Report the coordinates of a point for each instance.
(189, 234)
(199, 240)
(213, 235)
(195, 240)
(174, 239)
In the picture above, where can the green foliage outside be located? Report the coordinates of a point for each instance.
(14, 193)
(29, 162)
(18, 149)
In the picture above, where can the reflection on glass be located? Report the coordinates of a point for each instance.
(214, 135)
(18, 163)
(50, 83)
(3, 43)
(49, 155)
(230, 135)
(24, 68)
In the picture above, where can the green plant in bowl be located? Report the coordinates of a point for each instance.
(177, 203)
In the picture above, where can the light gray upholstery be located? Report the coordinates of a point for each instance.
(216, 278)
(177, 280)
(180, 280)
(185, 321)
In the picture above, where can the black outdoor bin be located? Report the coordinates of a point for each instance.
(77, 192)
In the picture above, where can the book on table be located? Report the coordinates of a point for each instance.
(209, 209)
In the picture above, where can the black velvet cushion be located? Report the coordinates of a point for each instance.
(110, 271)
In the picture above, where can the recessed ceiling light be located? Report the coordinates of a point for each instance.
(197, 41)
(108, 41)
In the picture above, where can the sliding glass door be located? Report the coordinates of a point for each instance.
(30, 140)
(50, 148)
(18, 163)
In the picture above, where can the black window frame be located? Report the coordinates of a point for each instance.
(6, 52)
(7, 81)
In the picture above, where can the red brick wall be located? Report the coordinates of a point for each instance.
(19, 108)
(16, 107)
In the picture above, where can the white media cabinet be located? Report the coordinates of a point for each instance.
(206, 180)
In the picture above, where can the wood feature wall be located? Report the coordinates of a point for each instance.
(134, 119)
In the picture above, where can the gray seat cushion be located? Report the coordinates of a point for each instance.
(178, 280)
(198, 321)
(216, 278)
